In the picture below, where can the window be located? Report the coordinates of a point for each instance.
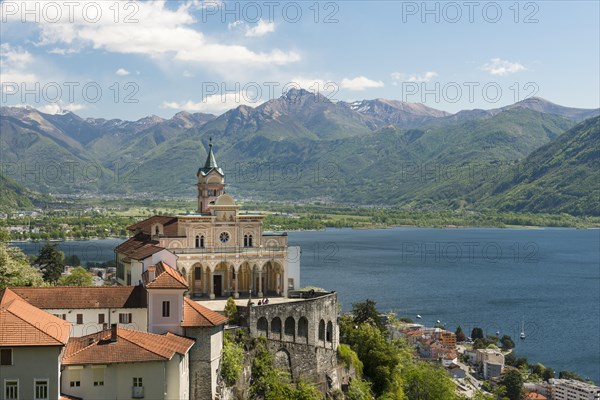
(98, 375)
(120, 270)
(200, 241)
(137, 382)
(6, 357)
(197, 273)
(61, 316)
(75, 383)
(166, 308)
(79, 319)
(41, 389)
(11, 390)
(224, 237)
(247, 240)
(100, 318)
(125, 318)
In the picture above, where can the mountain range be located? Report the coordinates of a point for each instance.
(302, 147)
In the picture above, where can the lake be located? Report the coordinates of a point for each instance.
(499, 279)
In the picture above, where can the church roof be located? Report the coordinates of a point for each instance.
(129, 346)
(85, 297)
(22, 324)
(196, 315)
(166, 277)
(169, 225)
(139, 247)
(210, 164)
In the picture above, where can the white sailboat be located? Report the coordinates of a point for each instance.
(522, 335)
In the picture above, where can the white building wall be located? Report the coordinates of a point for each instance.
(293, 267)
(164, 255)
(156, 322)
(30, 364)
(139, 319)
(118, 381)
(216, 347)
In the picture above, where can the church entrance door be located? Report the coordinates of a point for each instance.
(218, 285)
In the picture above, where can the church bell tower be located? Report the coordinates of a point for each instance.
(211, 182)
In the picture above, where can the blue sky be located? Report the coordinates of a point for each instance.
(128, 60)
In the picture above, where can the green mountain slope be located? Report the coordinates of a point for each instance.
(562, 176)
(13, 196)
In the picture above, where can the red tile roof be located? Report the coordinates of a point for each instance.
(139, 247)
(71, 297)
(22, 324)
(166, 277)
(130, 346)
(535, 396)
(195, 315)
(169, 225)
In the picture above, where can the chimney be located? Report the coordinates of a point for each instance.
(151, 273)
(113, 333)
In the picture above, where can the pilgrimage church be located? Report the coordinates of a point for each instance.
(219, 250)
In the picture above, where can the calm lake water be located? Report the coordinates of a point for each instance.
(498, 279)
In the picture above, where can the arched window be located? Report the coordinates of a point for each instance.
(156, 230)
(276, 328)
(199, 242)
(247, 240)
(290, 329)
(329, 331)
(322, 330)
(303, 330)
(262, 326)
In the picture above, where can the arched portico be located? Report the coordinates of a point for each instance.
(274, 275)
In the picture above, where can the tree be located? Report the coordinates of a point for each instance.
(73, 260)
(51, 263)
(513, 382)
(78, 277)
(230, 309)
(477, 333)
(460, 335)
(15, 269)
(507, 343)
(367, 312)
(548, 374)
(232, 361)
(425, 381)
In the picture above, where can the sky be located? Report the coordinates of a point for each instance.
(127, 59)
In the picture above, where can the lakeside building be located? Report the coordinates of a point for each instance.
(570, 389)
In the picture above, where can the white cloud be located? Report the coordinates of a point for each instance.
(416, 77)
(307, 83)
(216, 103)
(59, 108)
(61, 51)
(360, 83)
(14, 64)
(261, 29)
(122, 72)
(157, 31)
(496, 66)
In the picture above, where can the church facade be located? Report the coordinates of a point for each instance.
(219, 250)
